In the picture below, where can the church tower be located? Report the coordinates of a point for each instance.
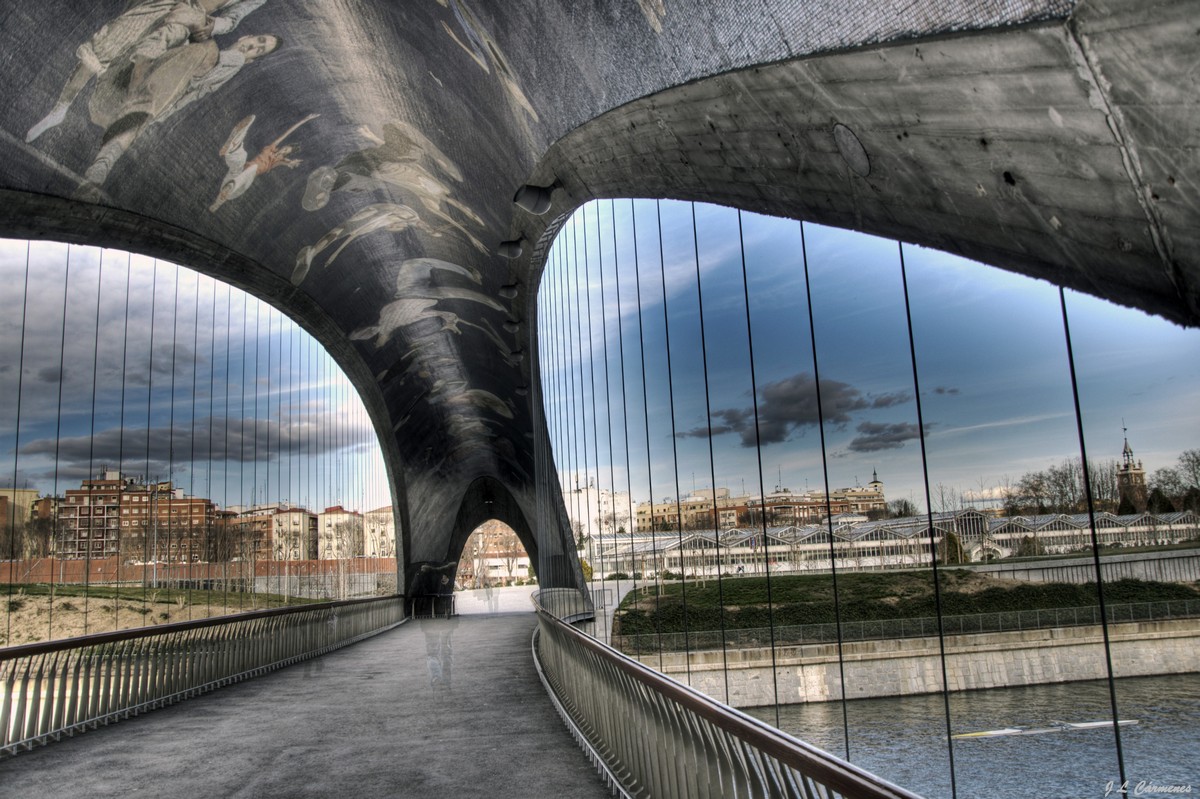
(1131, 480)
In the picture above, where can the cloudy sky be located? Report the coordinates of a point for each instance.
(113, 360)
(242, 405)
(991, 361)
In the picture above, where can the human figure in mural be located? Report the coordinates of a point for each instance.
(171, 83)
(146, 31)
(241, 173)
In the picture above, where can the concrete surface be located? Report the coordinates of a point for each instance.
(907, 666)
(435, 708)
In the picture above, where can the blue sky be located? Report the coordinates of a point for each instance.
(184, 350)
(991, 360)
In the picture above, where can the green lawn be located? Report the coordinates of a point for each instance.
(742, 602)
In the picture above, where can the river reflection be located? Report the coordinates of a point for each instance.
(903, 739)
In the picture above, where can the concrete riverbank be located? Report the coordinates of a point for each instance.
(898, 667)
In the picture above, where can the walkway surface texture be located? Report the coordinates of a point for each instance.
(435, 708)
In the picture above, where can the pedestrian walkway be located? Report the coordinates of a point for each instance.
(435, 708)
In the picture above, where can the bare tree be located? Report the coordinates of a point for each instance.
(1189, 468)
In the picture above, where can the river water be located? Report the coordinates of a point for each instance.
(903, 739)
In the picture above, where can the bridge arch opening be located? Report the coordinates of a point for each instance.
(765, 428)
(494, 557)
(173, 448)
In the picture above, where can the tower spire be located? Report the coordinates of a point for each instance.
(1131, 479)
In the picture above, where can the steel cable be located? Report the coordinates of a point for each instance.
(933, 557)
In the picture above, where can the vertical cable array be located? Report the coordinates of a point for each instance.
(565, 378)
(1091, 510)
(191, 551)
(933, 556)
(241, 484)
(87, 556)
(637, 282)
(662, 271)
(12, 525)
(583, 505)
(587, 281)
(149, 533)
(712, 464)
(56, 535)
(255, 510)
(211, 529)
(121, 432)
(758, 454)
(172, 505)
(269, 534)
(611, 516)
(633, 575)
(833, 566)
(228, 529)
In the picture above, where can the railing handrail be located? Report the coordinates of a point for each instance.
(788, 750)
(56, 691)
(115, 636)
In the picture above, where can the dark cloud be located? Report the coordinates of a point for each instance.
(945, 390)
(888, 400)
(788, 405)
(728, 420)
(158, 451)
(49, 374)
(874, 436)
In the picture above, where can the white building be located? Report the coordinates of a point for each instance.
(294, 534)
(380, 533)
(595, 511)
(340, 534)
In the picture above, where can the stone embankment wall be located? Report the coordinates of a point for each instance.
(1170, 566)
(898, 667)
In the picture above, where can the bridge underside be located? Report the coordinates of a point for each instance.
(356, 164)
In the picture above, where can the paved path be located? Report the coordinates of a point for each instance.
(436, 708)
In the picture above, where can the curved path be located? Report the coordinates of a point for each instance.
(434, 708)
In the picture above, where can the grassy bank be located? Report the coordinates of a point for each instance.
(742, 603)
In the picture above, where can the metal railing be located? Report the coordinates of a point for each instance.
(57, 688)
(886, 629)
(651, 736)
